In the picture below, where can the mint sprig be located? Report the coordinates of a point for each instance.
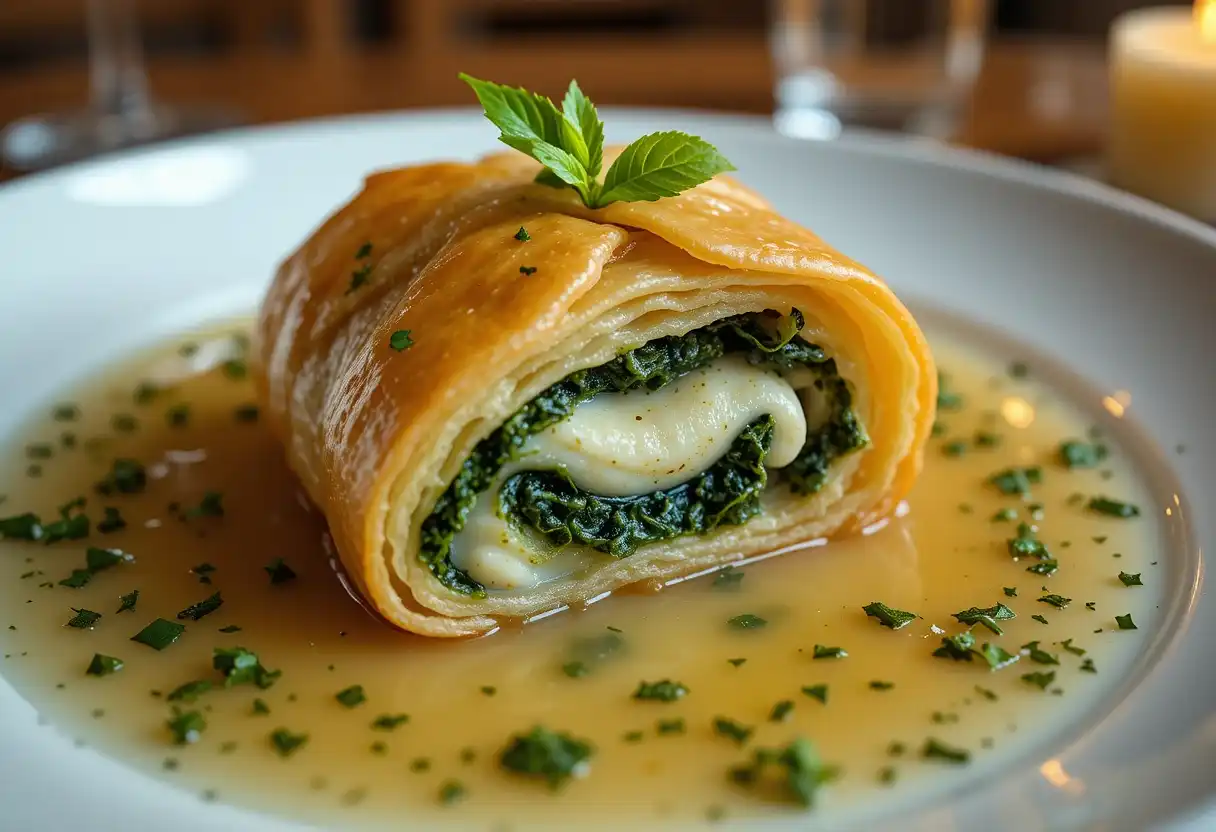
(570, 144)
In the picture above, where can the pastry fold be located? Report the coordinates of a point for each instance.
(408, 352)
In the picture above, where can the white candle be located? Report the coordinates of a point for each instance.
(1163, 109)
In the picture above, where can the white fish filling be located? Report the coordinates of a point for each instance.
(623, 444)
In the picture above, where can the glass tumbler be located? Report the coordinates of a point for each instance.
(906, 65)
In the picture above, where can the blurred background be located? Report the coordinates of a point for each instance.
(1030, 76)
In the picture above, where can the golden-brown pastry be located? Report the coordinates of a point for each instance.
(504, 401)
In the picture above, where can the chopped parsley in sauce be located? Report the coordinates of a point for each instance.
(988, 617)
(159, 634)
(664, 691)
(819, 692)
(822, 652)
(203, 608)
(937, 750)
(732, 730)
(103, 665)
(352, 696)
(279, 571)
(1125, 622)
(1112, 508)
(549, 755)
(747, 621)
(400, 340)
(1130, 579)
(286, 742)
(83, 619)
(889, 616)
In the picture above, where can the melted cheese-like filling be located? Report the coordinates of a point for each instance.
(622, 444)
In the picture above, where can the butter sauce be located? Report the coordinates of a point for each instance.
(196, 436)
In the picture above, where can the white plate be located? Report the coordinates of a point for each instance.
(103, 257)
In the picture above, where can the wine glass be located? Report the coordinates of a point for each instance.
(120, 113)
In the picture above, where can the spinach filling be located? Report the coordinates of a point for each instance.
(728, 493)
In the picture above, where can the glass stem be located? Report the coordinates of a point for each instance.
(117, 77)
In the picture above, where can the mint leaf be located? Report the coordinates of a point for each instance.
(660, 165)
(579, 111)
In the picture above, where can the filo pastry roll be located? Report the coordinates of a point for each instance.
(504, 401)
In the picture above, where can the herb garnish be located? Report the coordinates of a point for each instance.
(1039, 655)
(72, 524)
(957, 647)
(452, 791)
(211, 505)
(664, 691)
(1130, 579)
(522, 235)
(1125, 622)
(822, 652)
(551, 755)
(1039, 618)
(889, 616)
(187, 726)
(987, 694)
(389, 722)
(230, 628)
(279, 571)
(352, 696)
(781, 711)
(879, 684)
(21, 527)
(570, 144)
(240, 666)
(1077, 454)
(359, 277)
(1040, 679)
(159, 634)
(203, 571)
(527, 271)
(287, 743)
(178, 415)
(189, 692)
(112, 520)
(728, 577)
(747, 621)
(798, 770)
(84, 619)
(938, 750)
(1017, 480)
(259, 707)
(819, 692)
(670, 726)
(1057, 601)
(1010, 591)
(205, 607)
(988, 617)
(724, 727)
(997, 656)
(103, 665)
(126, 476)
(401, 340)
(1112, 508)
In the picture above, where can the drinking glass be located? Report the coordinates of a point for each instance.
(121, 113)
(905, 65)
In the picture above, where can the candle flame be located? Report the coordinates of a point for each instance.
(1205, 20)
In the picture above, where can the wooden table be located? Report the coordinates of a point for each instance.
(1038, 100)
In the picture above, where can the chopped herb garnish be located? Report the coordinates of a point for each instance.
(553, 756)
(747, 621)
(126, 477)
(84, 619)
(1077, 454)
(124, 422)
(664, 691)
(988, 617)
(1017, 480)
(388, 722)
(670, 726)
(822, 652)
(72, 524)
(241, 666)
(1044, 567)
(938, 750)
(1088, 666)
(997, 656)
(39, 450)
(489, 690)
(420, 764)
(522, 235)
(287, 743)
(1125, 622)
(205, 607)
(1068, 645)
(189, 692)
(364, 251)
(203, 571)
(401, 340)
(77, 579)
(65, 413)
(954, 448)
(187, 726)
(1112, 508)
(959, 647)
(986, 439)
(112, 520)
(178, 415)
(796, 767)
(527, 271)
(279, 571)
(633, 736)
(1130, 580)
(886, 775)
(736, 662)
(352, 696)
(987, 694)
(359, 277)
(889, 616)
(159, 634)
(230, 628)
(1039, 618)
(235, 368)
(1039, 655)
(1040, 679)
(1010, 591)
(128, 601)
(1005, 515)
(819, 692)
(728, 578)
(211, 505)
(732, 730)
(98, 559)
(575, 670)
(103, 665)
(452, 791)
(1057, 601)
(21, 527)
(1091, 605)
(259, 707)
(879, 684)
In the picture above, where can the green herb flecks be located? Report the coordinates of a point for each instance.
(747, 621)
(664, 691)
(522, 235)
(111, 521)
(1039, 655)
(1112, 508)
(1130, 580)
(821, 651)
(240, 666)
(880, 684)
(549, 755)
(889, 616)
(1017, 480)
(1040, 679)
(159, 634)
(794, 771)
(527, 271)
(73, 523)
(959, 647)
(203, 608)
(732, 730)
(452, 791)
(728, 577)
(666, 727)
(103, 665)
(126, 476)
(937, 750)
(84, 619)
(988, 617)
(189, 692)
(1077, 454)
(286, 742)
(586, 653)
(186, 726)
(26, 526)
(390, 722)
(1057, 601)
(819, 692)
(279, 571)
(997, 657)
(211, 505)
(1125, 622)
(781, 711)
(400, 340)
(352, 696)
